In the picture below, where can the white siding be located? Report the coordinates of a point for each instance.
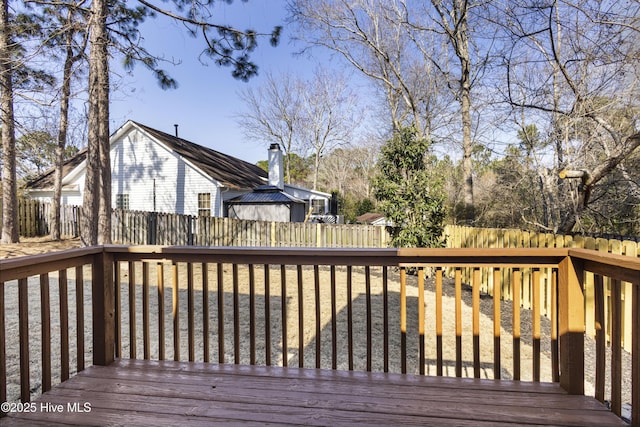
(142, 167)
(308, 195)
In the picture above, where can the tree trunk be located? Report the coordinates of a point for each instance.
(93, 178)
(104, 225)
(62, 139)
(462, 51)
(10, 226)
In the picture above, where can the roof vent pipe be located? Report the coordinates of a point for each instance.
(276, 171)
(176, 126)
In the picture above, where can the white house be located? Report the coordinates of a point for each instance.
(155, 171)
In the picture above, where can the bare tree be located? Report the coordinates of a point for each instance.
(460, 27)
(329, 115)
(372, 38)
(350, 170)
(273, 115)
(306, 117)
(588, 51)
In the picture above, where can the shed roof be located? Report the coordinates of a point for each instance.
(265, 194)
(370, 217)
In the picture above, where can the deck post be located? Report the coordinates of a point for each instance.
(571, 325)
(102, 288)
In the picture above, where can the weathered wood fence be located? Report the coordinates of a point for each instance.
(155, 228)
(34, 219)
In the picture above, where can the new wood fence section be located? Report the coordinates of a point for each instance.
(351, 309)
(470, 237)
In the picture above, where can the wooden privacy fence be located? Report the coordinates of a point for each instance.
(470, 237)
(139, 228)
(156, 228)
(34, 219)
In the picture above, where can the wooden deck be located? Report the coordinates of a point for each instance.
(138, 392)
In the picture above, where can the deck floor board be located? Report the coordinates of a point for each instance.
(136, 392)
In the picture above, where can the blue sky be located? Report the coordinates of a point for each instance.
(206, 99)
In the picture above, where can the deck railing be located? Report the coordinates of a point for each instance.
(353, 309)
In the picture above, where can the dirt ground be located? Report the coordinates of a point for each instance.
(237, 294)
(36, 245)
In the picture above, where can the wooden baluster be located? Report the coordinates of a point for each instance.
(117, 309)
(79, 318)
(316, 282)
(236, 316)
(334, 327)
(300, 319)
(439, 321)
(458, 303)
(23, 331)
(497, 366)
(267, 313)
(515, 286)
(616, 347)
(220, 274)
(350, 315)
(176, 312)
(252, 315)
(190, 314)
(555, 357)
(385, 314)
(161, 338)
(64, 325)
(283, 308)
(635, 351)
(146, 334)
(421, 334)
(403, 320)
(45, 313)
(204, 268)
(598, 284)
(535, 306)
(132, 311)
(476, 321)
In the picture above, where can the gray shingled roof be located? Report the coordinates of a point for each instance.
(46, 180)
(227, 170)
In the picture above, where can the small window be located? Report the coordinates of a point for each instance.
(122, 201)
(204, 204)
(318, 206)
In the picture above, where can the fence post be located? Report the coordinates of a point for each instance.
(571, 325)
(272, 234)
(102, 290)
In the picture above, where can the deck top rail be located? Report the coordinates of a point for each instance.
(143, 296)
